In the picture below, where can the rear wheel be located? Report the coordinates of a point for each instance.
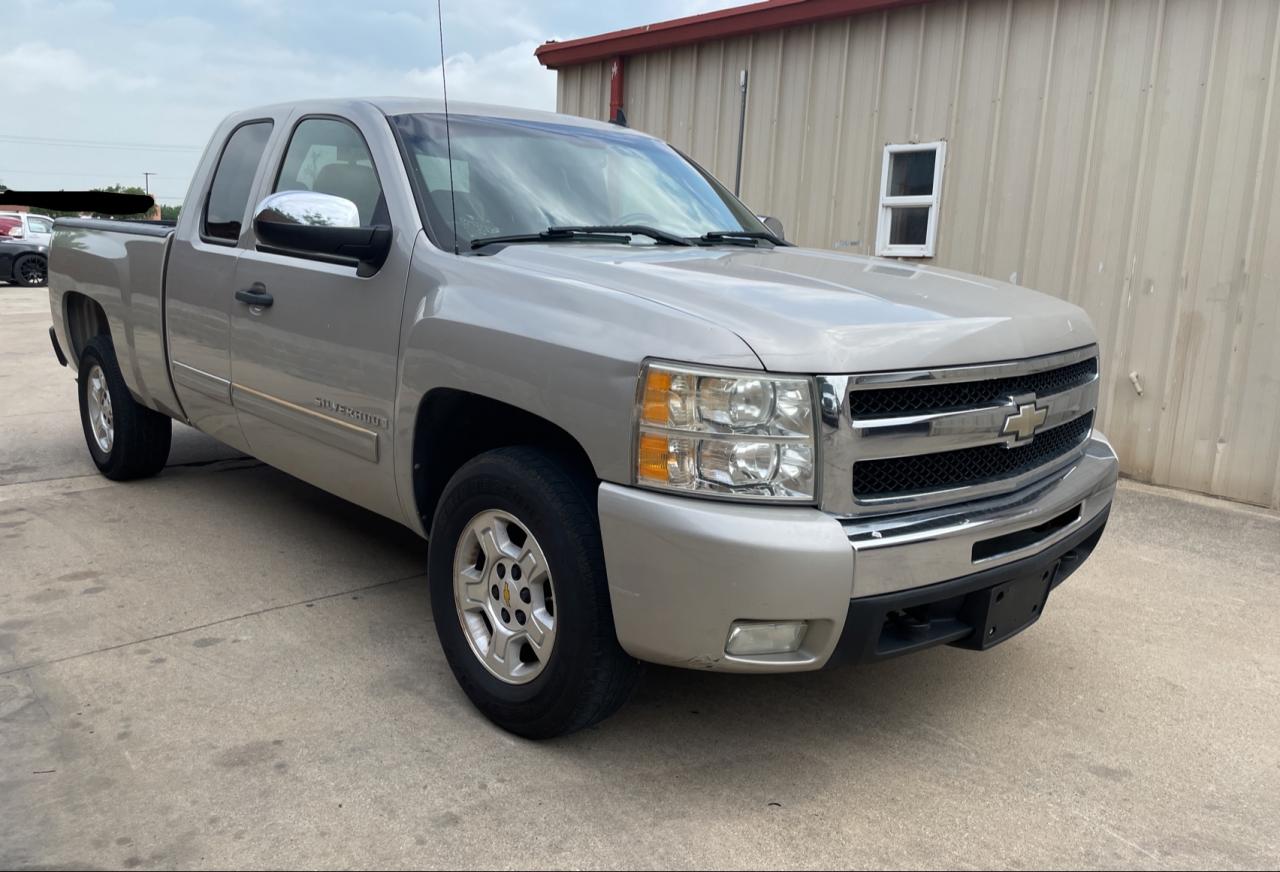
(126, 440)
(31, 270)
(519, 595)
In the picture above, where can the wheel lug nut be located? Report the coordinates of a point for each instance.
(502, 571)
(520, 618)
(525, 596)
(515, 573)
(506, 616)
(494, 590)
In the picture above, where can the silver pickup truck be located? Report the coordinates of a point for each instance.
(631, 420)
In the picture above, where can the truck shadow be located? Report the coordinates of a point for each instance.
(745, 741)
(775, 728)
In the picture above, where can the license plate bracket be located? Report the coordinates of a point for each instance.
(1006, 609)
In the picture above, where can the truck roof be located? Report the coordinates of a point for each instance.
(414, 105)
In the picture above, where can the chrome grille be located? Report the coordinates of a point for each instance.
(957, 395)
(907, 440)
(965, 467)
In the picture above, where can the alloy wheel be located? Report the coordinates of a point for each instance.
(505, 597)
(101, 419)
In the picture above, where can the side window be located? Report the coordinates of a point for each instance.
(330, 157)
(233, 181)
(40, 225)
(910, 190)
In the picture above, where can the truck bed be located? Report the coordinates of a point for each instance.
(120, 266)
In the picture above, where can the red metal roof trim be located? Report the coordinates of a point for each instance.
(722, 24)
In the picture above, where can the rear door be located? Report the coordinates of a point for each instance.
(314, 373)
(200, 278)
(39, 230)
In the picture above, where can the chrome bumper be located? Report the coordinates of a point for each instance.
(681, 570)
(901, 552)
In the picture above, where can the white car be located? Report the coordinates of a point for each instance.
(23, 225)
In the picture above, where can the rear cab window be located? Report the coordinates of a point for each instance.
(232, 184)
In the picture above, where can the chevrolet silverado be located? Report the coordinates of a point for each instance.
(631, 420)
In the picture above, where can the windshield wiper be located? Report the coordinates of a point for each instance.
(587, 233)
(738, 237)
(660, 236)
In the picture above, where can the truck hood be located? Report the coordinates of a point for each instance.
(812, 311)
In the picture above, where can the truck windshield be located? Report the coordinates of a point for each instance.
(513, 177)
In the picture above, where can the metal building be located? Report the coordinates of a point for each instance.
(1123, 154)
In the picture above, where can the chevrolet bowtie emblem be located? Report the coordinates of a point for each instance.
(1022, 424)
(506, 593)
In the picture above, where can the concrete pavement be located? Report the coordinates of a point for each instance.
(223, 666)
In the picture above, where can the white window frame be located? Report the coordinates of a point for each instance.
(887, 203)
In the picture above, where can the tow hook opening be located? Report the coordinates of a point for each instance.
(920, 626)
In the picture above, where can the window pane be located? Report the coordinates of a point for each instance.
(330, 157)
(229, 193)
(40, 226)
(911, 173)
(909, 225)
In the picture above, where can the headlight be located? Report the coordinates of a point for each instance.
(733, 434)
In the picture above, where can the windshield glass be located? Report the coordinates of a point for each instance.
(515, 177)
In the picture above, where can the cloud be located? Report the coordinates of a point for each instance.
(510, 76)
(697, 7)
(32, 67)
(140, 72)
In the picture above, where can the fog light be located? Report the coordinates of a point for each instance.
(747, 638)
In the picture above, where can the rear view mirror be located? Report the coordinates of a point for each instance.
(773, 225)
(322, 225)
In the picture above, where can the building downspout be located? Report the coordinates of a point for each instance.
(616, 114)
(742, 133)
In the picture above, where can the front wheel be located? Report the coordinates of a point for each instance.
(31, 270)
(126, 439)
(519, 595)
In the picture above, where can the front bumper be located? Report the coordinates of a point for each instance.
(682, 570)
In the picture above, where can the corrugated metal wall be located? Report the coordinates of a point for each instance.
(1122, 154)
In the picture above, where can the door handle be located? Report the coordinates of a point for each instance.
(255, 296)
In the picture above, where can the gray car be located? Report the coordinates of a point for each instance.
(632, 422)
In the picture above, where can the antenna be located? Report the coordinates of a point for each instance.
(444, 82)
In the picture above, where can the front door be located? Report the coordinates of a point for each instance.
(314, 373)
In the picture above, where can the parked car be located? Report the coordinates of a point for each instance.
(631, 420)
(24, 225)
(24, 247)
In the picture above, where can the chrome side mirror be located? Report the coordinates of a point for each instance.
(773, 225)
(309, 208)
(322, 226)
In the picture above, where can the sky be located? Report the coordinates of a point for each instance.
(113, 90)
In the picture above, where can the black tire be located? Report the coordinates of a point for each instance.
(140, 442)
(31, 270)
(587, 676)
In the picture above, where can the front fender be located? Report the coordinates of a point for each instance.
(566, 351)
